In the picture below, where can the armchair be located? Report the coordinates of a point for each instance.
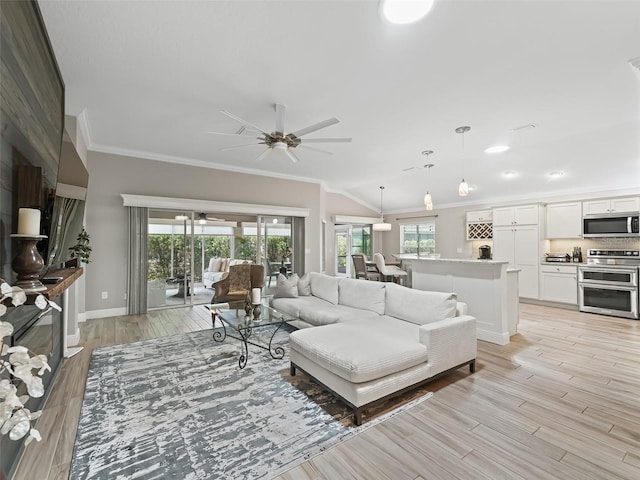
(237, 285)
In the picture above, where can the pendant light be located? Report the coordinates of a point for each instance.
(381, 226)
(428, 202)
(463, 189)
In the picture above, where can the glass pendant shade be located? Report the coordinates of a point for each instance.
(428, 202)
(463, 189)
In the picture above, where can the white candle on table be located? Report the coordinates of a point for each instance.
(255, 296)
(28, 221)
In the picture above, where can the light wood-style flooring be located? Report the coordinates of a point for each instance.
(561, 401)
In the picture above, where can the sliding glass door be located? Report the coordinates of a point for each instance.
(350, 239)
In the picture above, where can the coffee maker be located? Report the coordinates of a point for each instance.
(485, 252)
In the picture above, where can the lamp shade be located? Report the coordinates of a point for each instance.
(381, 227)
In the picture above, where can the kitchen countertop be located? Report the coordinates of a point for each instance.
(450, 260)
(564, 264)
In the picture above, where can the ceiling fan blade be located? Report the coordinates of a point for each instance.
(230, 134)
(263, 154)
(313, 128)
(291, 155)
(241, 146)
(244, 122)
(280, 109)
(319, 150)
(325, 140)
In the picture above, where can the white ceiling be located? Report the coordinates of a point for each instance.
(154, 75)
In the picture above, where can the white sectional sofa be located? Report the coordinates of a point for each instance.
(217, 269)
(372, 340)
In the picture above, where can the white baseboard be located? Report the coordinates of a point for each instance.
(73, 339)
(107, 312)
(82, 317)
(493, 337)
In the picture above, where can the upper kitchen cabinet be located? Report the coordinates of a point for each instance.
(611, 205)
(564, 220)
(520, 215)
(479, 225)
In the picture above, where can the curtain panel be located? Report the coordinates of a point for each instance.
(137, 260)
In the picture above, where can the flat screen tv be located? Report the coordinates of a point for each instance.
(31, 122)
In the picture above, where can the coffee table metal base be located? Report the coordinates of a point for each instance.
(244, 332)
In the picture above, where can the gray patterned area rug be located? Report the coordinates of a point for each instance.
(180, 408)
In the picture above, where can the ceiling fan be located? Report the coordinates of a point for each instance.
(278, 140)
(203, 218)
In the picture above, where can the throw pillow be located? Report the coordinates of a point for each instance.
(304, 285)
(287, 287)
(214, 264)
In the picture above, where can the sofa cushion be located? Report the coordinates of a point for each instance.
(355, 353)
(304, 285)
(324, 287)
(293, 306)
(327, 314)
(287, 287)
(418, 306)
(362, 294)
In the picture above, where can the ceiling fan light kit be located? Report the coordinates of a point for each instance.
(381, 226)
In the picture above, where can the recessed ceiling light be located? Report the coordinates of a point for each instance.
(556, 174)
(509, 174)
(404, 11)
(497, 149)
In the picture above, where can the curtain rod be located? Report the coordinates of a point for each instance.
(421, 216)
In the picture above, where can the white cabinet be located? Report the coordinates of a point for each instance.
(520, 246)
(611, 205)
(559, 283)
(479, 225)
(520, 215)
(564, 220)
(479, 216)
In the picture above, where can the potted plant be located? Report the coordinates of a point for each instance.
(81, 250)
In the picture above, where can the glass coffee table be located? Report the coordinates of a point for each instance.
(226, 323)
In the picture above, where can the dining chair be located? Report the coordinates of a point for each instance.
(387, 271)
(360, 268)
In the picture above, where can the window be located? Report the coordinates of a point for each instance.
(419, 239)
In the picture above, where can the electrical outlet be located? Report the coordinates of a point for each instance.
(459, 250)
(105, 295)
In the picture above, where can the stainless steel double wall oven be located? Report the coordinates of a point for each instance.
(608, 284)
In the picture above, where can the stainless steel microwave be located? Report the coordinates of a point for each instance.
(611, 226)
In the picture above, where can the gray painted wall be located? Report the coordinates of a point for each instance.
(112, 175)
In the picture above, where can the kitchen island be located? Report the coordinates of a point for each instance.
(488, 287)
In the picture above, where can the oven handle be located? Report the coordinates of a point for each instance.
(608, 287)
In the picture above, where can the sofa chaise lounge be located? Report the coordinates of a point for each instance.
(373, 340)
